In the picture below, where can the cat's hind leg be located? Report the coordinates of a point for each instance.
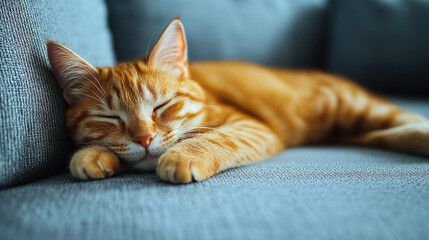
(411, 138)
(391, 127)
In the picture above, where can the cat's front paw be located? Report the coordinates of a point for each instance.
(179, 167)
(93, 162)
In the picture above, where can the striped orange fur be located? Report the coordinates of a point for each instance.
(191, 122)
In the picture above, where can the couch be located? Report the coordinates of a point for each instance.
(309, 192)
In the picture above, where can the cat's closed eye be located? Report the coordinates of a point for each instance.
(160, 106)
(109, 117)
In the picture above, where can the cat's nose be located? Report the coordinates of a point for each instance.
(144, 140)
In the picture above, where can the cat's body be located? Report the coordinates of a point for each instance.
(300, 106)
(191, 123)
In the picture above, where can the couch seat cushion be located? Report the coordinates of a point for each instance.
(304, 193)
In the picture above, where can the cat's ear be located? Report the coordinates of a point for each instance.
(69, 69)
(171, 50)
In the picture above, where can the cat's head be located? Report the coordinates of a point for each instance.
(137, 109)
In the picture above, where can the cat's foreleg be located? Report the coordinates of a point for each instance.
(94, 162)
(231, 145)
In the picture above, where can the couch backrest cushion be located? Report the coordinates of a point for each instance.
(381, 44)
(271, 32)
(33, 138)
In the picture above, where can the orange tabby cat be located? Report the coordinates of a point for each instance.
(193, 122)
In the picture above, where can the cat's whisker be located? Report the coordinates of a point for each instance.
(150, 39)
(187, 129)
(94, 86)
(92, 98)
(147, 48)
(215, 129)
(212, 123)
(190, 135)
(184, 130)
(178, 133)
(91, 82)
(97, 96)
(105, 94)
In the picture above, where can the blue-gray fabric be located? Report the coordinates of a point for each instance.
(270, 32)
(33, 138)
(381, 44)
(304, 193)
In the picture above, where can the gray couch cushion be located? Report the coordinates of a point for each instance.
(272, 32)
(382, 44)
(33, 138)
(304, 193)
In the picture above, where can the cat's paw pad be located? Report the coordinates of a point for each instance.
(94, 162)
(176, 167)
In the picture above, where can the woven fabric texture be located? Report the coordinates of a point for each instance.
(309, 193)
(33, 138)
(304, 193)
